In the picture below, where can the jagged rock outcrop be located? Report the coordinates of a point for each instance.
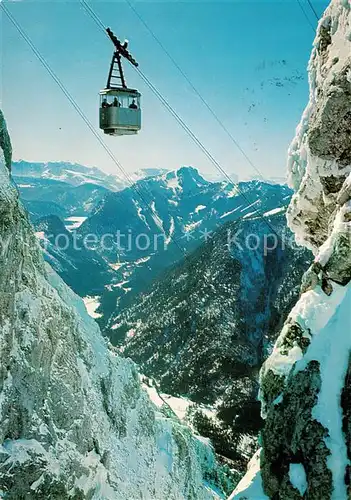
(5, 143)
(74, 420)
(305, 383)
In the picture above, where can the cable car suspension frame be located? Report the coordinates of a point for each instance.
(120, 112)
(116, 68)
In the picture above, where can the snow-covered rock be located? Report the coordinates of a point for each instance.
(319, 158)
(306, 382)
(72, 174)
(74, 419)
(251, 483)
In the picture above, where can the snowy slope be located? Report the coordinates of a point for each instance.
(74, 420)
(305, 384)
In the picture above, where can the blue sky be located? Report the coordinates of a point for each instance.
(247, 59)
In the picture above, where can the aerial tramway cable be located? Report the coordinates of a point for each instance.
(92, 129)
(97, 136)
(313, 9)
(306, 16)
(195, 90)
(79, 111)
(196, 140)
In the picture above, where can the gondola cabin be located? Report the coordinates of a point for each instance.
(120, 112)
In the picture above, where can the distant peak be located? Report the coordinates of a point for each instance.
(190, 174)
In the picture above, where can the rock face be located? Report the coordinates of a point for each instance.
(82, 269)
(305, 383)
(75, 422)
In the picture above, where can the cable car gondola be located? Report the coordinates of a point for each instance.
(120, 112)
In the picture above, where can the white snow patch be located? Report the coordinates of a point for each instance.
(173, 202)
(172, 181)
(178, 405)
(117, 265)
(231, 212)
(40, 235)
(297, 476)
(155, 216)
(233, 192)
(312, 312)
(251, 205)
(74, 222)
(274, 211)
(130, 333)
(250, 487)
(249, 214)
(119, 285)
(142, 260)
(199, 207)
(171, 232)
(140, 213)
(92, 304)
(190, 227)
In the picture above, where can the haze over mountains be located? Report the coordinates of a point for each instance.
(76, 175)
(67, 189)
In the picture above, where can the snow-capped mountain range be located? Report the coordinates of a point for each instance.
(177, 204)
(180, 206)
(76, 174)
(181, 210)
(68, 189)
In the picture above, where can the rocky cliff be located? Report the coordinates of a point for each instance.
(306, 382)
(75, 422)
